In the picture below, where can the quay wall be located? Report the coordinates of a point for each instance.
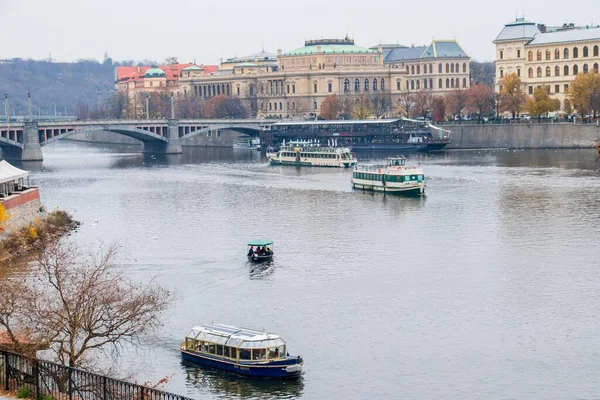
(523, 136)
(23, 208)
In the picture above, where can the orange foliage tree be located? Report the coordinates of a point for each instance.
(223, 106)
(481, 99)
(331, 107)
(581, 92)
(512, 94)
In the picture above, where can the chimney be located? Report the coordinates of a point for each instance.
(279, 52)
(542, 28)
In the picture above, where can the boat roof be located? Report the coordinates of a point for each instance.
(340, 122)
(261, 242)
(234, 336)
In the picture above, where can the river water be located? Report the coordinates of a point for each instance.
(487, 288)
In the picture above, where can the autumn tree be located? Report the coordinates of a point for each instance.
(189, 107)
(358, 106)
(581, 90)
(438, 109)
(595, 101)
(331, 107)
(481, 99)
(541, 103)
(80, 304)
(422, 103)
(381, 104)
(223, 106)
(406, 102)
(115, 105)
(457, 101)
(512, 94)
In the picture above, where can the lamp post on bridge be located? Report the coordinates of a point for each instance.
(172, 106)
(147, 106)
(29, 106)
(6, 114)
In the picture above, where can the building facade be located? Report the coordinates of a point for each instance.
(440, 67)
(544, 56)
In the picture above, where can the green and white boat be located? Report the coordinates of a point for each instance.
(307, 154)
(394, 178)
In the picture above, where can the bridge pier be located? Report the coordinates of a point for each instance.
(174, 142)
(32, 150)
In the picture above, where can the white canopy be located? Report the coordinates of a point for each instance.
(9, 173)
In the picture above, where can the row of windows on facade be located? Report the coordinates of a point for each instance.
(450, 69)
(538, 54)
(275, 106)
(428, 84)
(556, 88)
(217, 89)
(566, 71)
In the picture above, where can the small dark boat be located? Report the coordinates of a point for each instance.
(260, 250)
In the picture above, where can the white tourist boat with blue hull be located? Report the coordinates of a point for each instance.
(242, 351)
(312, 154)
(247, 144)
(393, 178)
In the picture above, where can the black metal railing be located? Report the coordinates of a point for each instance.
(45, 380)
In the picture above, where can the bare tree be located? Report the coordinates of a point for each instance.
(422, 103)
(381, 104)
(80, 303)
(457, 101)
(406, 102)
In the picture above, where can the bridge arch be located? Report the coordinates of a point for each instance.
(140, 134)
(248, 130)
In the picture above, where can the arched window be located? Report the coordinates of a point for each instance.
(452, 68)
(556, 54)
(418, 84)
(431, 68)
(418, 69)
(447, 68)
(464, 82)
(538, 55)
(374, 84)
(530, 73)
(557, 71)
(596, 51)
(412, 69)
(430, 83)
(356, 85)
(382, 85)
(539, 72)
(407, 70)
(452, 82)
(566, 54)
(447, 83)
(566, 72)
(585, 51)
(575, 52)
(464, 68)
(530, 56)
(548, 54)
(412, 85)
(585, 68)
(575, 69)
(519, 72)
(440, 83)
(346, 85)
(424, 83)
(440, 67)
(596, 67)
(547, 71)
(456, 69)
(366, 84)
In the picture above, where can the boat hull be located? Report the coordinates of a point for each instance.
(413, 190)
(259, 259)
(348, 164)
(288, 368)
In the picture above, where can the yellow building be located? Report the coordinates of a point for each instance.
(544, 56)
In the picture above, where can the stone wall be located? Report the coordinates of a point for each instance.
(23, 208)
(523, 136)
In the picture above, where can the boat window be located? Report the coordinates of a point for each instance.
(273, 352)
(212, 348)
(244, 354)
(259, 354)
(282, 352)
(219, 350)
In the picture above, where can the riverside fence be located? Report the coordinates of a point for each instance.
(44, 380)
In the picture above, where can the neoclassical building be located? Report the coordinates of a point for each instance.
(545, 56)
(439, 67)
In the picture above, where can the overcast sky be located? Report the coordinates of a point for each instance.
(209, 30)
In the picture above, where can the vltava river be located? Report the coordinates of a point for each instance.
(488, 288)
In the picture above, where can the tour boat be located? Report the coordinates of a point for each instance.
(247, 144)
(242, 351)
(395, 177)
(308, 154)
(260, 250)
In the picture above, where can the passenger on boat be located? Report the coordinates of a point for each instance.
(251, 251)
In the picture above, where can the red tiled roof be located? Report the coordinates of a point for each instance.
(172, 72)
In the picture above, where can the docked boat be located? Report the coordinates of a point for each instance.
(308, 154)
(395, 177)
(247, 144)
(242, 351)
(260, 250)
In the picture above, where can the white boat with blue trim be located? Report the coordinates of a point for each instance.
(395, 177)
(242, 351)
(312, 154)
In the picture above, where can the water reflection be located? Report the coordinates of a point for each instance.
(226, 385)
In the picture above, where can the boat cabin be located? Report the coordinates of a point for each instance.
(236, 344)
(396, 161)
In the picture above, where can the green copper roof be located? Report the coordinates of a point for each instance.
(520, 21)
(330, 49)
(154, 73)
(246, 64)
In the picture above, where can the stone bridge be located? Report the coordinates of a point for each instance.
(24, 141)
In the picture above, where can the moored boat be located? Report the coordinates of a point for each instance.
(260, 250)
(307, 154)
(395, 177)
(247, 144)
(243, 351)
